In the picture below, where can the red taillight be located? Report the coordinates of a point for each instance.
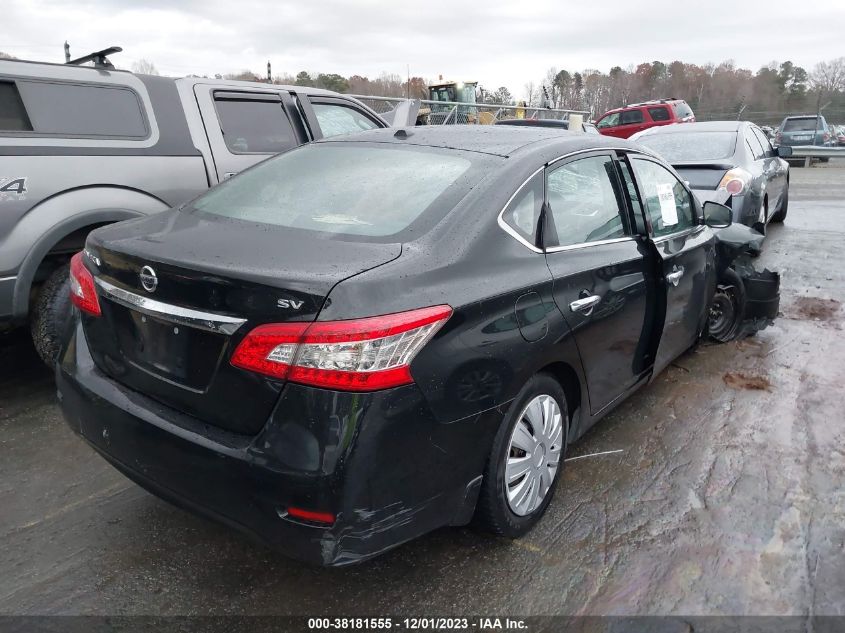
(82, 291)
(355, 355)
(311, 515)
(734, 186)
(778, 138)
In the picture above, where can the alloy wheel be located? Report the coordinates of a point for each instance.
(533, 455)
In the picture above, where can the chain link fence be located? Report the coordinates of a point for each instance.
(453, 113)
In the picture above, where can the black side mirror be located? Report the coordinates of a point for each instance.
(784, 151)
(717, 215)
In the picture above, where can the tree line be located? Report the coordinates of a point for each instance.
(722, 91)
(714, 91)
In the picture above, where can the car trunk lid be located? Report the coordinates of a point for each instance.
(705, 176)
(178, 291)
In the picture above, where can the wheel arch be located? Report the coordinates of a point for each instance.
(567, 377)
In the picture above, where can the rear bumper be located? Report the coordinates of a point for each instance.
(378, 461)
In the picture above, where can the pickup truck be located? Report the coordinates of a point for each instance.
(84, 146)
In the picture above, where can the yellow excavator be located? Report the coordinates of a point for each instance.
(458, 104)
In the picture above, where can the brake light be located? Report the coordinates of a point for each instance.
(826, 137)
(778, 138)
(355, 355)
(735, 181)
(82, 291)
(311, 515)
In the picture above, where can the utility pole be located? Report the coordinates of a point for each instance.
(269, 73)
(67, 52)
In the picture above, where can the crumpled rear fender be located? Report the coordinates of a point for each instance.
(758, 300)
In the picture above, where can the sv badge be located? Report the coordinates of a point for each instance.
(289, 304)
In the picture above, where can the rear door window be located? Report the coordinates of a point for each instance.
(585, 201)
(767, 146)
(335, 119)
(659, 114)
(253, 124)
(667, 202)
(631, 116)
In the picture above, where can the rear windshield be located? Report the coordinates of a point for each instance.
(691, 146)
(802, 125)
(350, 189)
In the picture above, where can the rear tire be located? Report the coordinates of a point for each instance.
(780, 214)
(50, 314)
(499, 510)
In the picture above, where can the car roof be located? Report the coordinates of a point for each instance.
(645, 104)
(499, 140)
(307, 90)
(705, 126)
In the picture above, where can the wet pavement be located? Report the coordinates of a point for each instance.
(728, 497)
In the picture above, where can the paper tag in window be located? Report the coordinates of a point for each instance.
(668, 210)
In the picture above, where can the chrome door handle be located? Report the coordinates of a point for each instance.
(585, 304)
(675, 276)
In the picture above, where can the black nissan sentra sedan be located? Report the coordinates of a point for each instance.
(372, 336)
(731, 162)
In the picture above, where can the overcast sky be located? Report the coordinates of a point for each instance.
(494, 42)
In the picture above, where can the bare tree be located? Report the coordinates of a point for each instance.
(530, 93)
(144, 67)
(829, 77)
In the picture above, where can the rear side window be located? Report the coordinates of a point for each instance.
(13, 116)
(523, 212)
(682, 110)
(667, 202)
(585, 202)
(659, 114)
(764, 141)
(631, 116)
(338, 119)
(254, 125)
(349, 189)
(754, 145)
(80, 110)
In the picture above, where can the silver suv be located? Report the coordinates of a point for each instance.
(84, 146)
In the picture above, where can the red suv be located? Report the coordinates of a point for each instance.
(623, 122)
